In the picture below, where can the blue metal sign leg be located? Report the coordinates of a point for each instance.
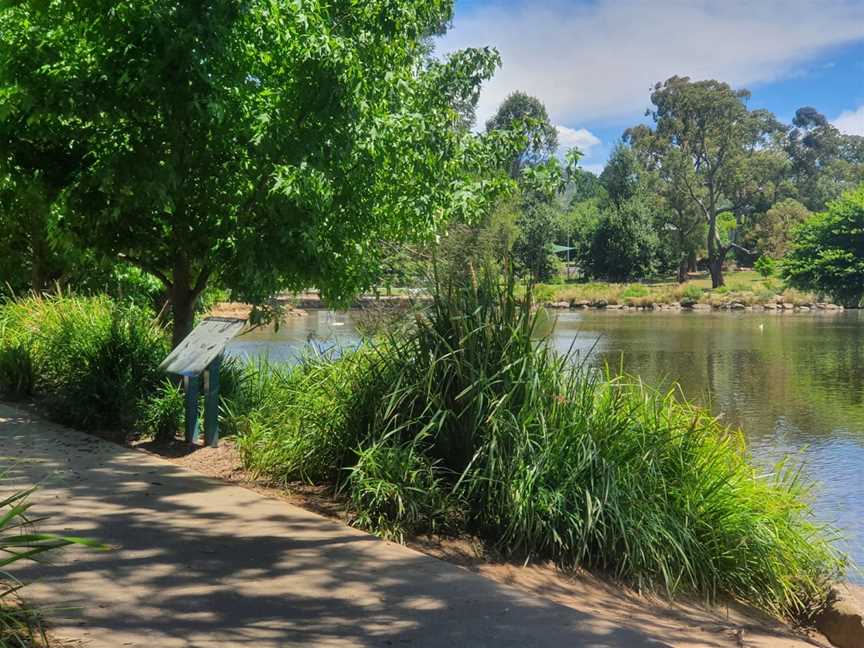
(211, 403)
(190, 384)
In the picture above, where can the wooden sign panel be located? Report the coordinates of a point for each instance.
(195, 353)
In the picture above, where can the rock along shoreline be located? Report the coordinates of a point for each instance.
(776, 307)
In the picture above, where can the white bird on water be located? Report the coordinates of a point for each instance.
(761, 327)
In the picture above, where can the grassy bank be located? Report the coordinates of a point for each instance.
(461, 422)
(746, 287)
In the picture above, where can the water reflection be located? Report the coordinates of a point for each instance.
(792, 382)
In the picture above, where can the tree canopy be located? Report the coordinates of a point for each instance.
(521, 110)
(266, 145)
(709, 145)
(827, 252)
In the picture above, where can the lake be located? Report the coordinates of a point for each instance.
(794, 382)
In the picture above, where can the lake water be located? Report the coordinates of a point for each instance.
(794, 382)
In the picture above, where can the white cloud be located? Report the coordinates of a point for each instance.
(598, 60)
(851, 122)
(581, 138)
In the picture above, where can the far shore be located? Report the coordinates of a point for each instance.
(745, 291)
(308, 302)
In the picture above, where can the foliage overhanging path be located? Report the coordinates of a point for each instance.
(205, 563)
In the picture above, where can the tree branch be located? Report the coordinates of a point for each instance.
(739, 247)
(201, 282)
(149, 268)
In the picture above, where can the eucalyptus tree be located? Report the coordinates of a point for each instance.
(824, 162)
(705, 139)
(520, 110)
(623, 176)
(265, 144)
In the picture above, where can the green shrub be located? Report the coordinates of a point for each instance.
(543, 458)
(16, 372)
(634, 291)
(691, 293)
(827, 252)
(395, 490)
(765, 266)
(304, 423)
(91, 360)
(163, 412)
(624, 244)
(544, 293)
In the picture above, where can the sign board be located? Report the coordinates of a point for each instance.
(201, 347)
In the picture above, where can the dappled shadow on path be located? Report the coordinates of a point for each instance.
(197, 562)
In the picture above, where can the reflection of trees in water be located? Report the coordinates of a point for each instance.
(801, 377)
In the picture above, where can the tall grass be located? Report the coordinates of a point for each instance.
(91, 360)
(466, 422)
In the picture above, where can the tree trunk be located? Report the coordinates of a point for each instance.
(715, 248)
(183, 299)
(715, 267)
(682, 269)
(183, 309)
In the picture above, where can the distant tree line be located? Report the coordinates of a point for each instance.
(707, 180)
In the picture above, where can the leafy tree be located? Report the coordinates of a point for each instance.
(262, 145)
(681, 225)
(623, 176)
(519, 110)
(765, 266)
(541, 195)
(35, 252)
(38, 157)
(775, 228)
(576, 225)
(534, 246)
(827, 251)
(824, 162)
(582, 185)
(624, 244)
(705, 137)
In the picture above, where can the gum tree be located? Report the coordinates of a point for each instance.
(263, 145)
(709, 145)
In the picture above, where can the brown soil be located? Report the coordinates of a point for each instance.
(686, 624)
(243, 311)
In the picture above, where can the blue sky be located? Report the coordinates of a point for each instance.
(593, 62)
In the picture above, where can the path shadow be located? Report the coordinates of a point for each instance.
(197, 562)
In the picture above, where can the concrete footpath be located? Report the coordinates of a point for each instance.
(198, 562)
